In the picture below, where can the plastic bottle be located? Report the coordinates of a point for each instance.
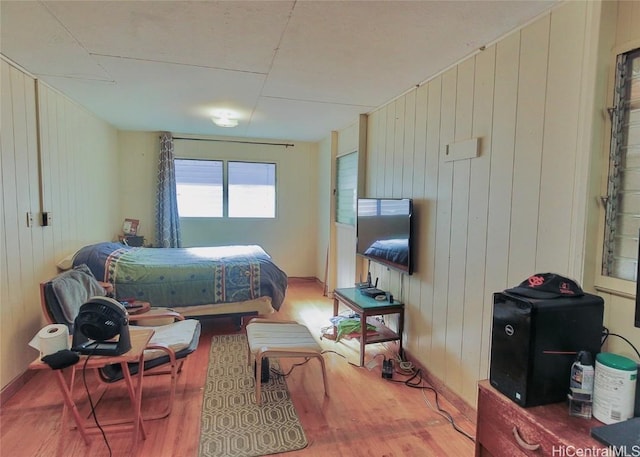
(582, 372)
(581, 386)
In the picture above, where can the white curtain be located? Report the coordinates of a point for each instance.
(167, 219)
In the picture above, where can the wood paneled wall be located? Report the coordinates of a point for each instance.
(74, 177)
(487, 223)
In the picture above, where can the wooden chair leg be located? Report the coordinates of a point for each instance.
(258, 378)
(175, 368)
(324, 374)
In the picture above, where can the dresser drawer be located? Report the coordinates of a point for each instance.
(539, 431)
(496, 425)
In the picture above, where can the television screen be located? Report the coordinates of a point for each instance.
(384, 231)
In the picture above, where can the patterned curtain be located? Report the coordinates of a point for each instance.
(167, 220)
(616, 164)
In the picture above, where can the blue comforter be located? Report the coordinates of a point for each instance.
(186, 276)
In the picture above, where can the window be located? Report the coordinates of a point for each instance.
(252, 189)
(622, 219)
(199, 188)
(346, 181)
(214, 188)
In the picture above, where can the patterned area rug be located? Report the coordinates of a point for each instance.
(232, 424)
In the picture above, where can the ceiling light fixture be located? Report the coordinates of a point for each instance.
(224, 121)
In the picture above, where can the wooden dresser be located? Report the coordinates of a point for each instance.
(506, 429)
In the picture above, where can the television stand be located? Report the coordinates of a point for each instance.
(367, 307)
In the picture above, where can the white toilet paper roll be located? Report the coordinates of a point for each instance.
(51, 339)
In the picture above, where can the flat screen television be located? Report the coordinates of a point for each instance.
(384, 232)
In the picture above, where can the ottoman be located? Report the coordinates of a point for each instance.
(273, 338)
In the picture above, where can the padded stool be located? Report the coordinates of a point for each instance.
(272, 338)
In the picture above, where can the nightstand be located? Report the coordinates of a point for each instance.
(132, 240)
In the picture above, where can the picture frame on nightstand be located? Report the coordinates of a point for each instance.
(130, 227)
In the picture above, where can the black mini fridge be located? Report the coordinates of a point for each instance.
(535, 342)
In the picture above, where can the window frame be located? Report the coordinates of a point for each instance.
(225, 188)
(355, 156)
(604, 283)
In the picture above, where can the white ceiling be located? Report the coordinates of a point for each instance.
(290, 69)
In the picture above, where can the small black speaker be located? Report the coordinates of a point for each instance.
(535, 342)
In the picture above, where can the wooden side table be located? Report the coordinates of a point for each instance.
(139, 341)
(367, 307)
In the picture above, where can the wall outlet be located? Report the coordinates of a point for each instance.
(29, 219)
(47, 219)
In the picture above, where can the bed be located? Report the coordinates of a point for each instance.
(200, 281)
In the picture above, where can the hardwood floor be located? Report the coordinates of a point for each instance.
(365, 415)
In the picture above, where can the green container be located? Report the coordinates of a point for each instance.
(614, 387)
(617, 362)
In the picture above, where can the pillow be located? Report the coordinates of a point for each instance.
(66, 263)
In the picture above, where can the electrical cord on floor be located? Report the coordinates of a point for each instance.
(328, 351)
(93, 408)
(405, 368)
(281, 374)
(416, 381)
(379, 355)
(328, 333)
(607, 334)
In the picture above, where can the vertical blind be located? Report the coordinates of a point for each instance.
(346, 188)
(622, 220)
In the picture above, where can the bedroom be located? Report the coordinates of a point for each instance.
(89, 185)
